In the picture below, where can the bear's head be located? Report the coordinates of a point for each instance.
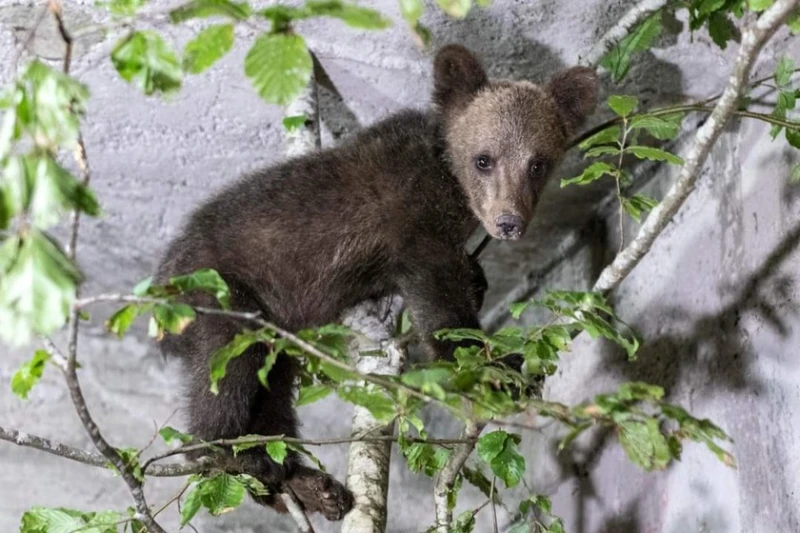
(503, 138)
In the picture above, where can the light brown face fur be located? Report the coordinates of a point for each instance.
(504, 138)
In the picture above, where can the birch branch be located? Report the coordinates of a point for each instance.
(447, 477)
(296, 512)
(622, 29)
(753, 41)
(368, 462)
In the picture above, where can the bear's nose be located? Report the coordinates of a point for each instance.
(509, 226)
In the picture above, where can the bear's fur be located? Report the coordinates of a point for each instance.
(386, 212)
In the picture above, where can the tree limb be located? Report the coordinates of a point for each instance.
(295, 511)
(447, 477)
(753, 40)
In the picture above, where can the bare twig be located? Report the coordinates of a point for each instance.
(753, 40)
(622, 29)
(494, 507)
(447, 477)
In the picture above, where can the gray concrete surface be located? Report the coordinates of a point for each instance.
(716, 300)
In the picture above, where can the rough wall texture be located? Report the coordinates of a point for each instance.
(716, 300)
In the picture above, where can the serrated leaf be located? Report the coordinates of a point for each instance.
(351, 14)
(191, 504)
(210, 8)
(377, 402)
(622, 105)
(784, 71)
(644, 444)
(145, 60)
(425, 458)
(220, 359)
(312, 393)
(279, 67)
(207, 280)
(660, 128)
(221, 493)
(499, 450)
(721, 29)
(653, 154)
(760, 5)
(637, 205)
(455, 8)
(123, 8)
(618, 59)
(598, 151)
(170, 434)
(592, 173)
(29, 374)
(606, 136)
(121, 321)
(45, 520)
(173, 318)
(294, 122)
(37, 289)
(207, 48)
(464, 523)
(277, 451)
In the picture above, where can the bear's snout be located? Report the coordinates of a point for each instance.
(509, 226)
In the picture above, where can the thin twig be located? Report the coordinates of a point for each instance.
(494, 507)
(70, 372)
(449, 473)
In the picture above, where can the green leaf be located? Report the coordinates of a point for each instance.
(210, 8)
(594, 172)
(653, 154)
(235, 348)
(499, 450)
(191, 504)
(144, 59)
(29, 374)
(709, 6)
(464, 523)
(794, 23)
(618, 59)
(784, 71)
(477, 479)
(795, 175)
(351, 14)
(425, 458)
(637, 205)
(622, 105)
(606, 136)
(455, 8)
(173, 318)
(411, 10)
(207, 280)
(666, 128)
(294, 122)
(170, 434)
(793, 136)
(721, 28)
(221, 493)
(44, 520)
(123, 8)
(644, 444)
(377, 402)
(130, 456)
(279, 66)
(207, 48)
(598, 151)
(37, 288)
(276, 449)
(121, 321)
(760, 5)
(263, 372)
(312, 393)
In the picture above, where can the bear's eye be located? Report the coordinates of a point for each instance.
(538, 168)
(483, 162)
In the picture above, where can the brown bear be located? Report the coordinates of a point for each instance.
(386, 212)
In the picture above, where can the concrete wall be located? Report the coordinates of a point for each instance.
(716, 300)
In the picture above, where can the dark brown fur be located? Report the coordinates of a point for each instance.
(388, 211)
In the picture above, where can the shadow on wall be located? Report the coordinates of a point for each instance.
(714, 354)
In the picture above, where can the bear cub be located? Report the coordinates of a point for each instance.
(387, 212)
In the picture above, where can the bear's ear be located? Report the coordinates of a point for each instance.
(575, 91)
(457, 76)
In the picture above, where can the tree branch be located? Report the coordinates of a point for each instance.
(622, 29)
(70, 371)
(753, 40)
(447, 477)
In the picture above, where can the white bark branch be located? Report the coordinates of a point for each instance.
(296, 512)
(622, 29)
(753, 40)
(447, 477)
(368, 462)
